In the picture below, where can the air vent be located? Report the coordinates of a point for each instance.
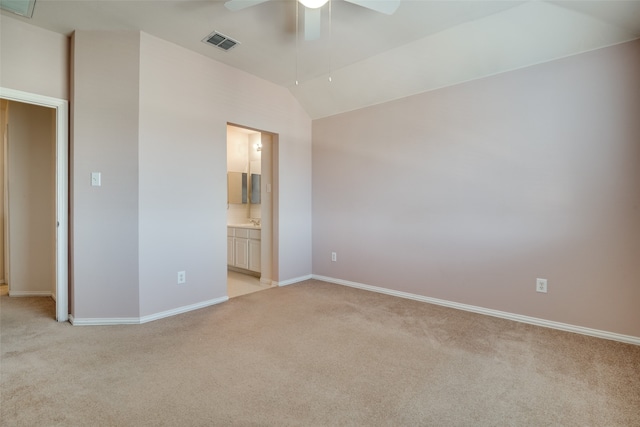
(220, 40)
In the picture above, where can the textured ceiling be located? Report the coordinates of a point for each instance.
(370, 57)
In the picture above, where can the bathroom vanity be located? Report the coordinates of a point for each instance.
(243, 248)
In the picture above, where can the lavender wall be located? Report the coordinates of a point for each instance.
(104, 110)
(471, 192)
(186, 101)
(148, 115)
(34, 60)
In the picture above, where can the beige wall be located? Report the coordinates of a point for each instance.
(186, 101)
(238, 161)
(237, 150)
(264, 210)
(243, 157)
(104, 130)
(33, 60)
(149, 116)
(3, 130)
(31, 186)
(470, 193)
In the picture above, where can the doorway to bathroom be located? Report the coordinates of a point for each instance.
(251, 219)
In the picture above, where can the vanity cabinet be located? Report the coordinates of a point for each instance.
(230, 247)
(254, 250)
(243, 248)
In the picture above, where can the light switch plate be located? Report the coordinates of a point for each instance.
(96, 180)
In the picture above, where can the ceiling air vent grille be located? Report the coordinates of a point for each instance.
(220, 40)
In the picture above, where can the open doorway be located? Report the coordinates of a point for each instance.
(251, 175)
(21, 236)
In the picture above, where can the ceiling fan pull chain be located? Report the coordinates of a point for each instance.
(330, 42)
(297, 37)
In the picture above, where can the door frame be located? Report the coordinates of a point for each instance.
(269, 228)
(62, 190)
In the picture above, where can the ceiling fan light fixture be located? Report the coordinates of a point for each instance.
(313, 4)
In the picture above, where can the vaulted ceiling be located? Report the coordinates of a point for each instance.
(369, 57)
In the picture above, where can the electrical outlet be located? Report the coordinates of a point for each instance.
(182, 277)
(334, 256)
(541, 285)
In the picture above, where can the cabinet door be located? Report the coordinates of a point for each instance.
(230, 257)
(241, 253)
(254, 255)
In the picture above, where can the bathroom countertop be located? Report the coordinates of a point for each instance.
(248, 225)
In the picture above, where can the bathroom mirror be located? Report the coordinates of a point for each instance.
(255, 188)
(237, 187)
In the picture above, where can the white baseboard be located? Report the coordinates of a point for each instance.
(184, 309)
(97, 321)
(294, 280)
(489, 312)
(29, 293)
(144, 319)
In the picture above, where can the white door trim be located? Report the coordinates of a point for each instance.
(62, 190)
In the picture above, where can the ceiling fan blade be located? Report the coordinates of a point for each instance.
(312, 23)
(388, 7)
(234, 5)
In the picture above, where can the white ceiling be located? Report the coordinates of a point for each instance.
(371, 57)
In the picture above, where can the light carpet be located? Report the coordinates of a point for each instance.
(311, 354)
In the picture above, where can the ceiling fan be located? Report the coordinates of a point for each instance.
(312, 13)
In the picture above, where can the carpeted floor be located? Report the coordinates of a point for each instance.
(311, 354)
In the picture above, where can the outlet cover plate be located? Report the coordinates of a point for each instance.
(541, 285)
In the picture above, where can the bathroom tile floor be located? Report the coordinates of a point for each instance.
(242, 284)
